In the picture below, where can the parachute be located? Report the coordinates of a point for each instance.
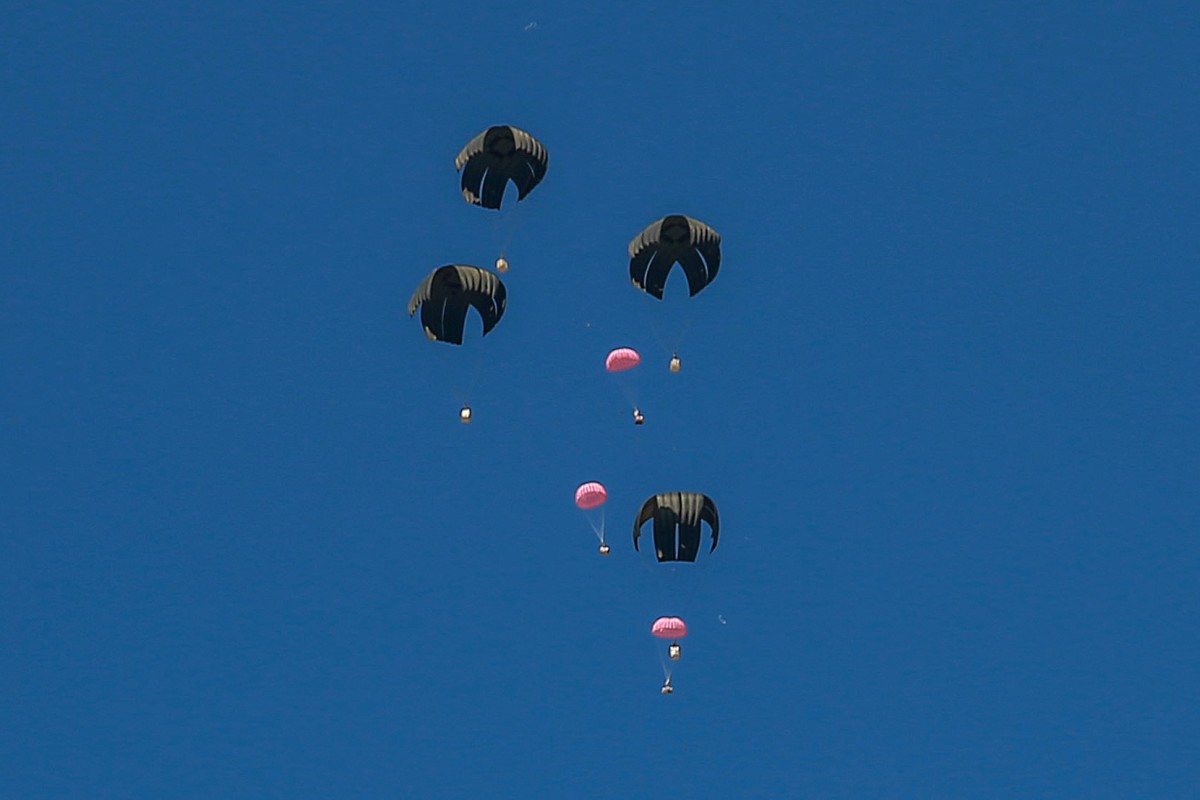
(448, 291)
(500, 154)
(677, 517)
(672, 628)
(674, 239)
(668, 628)
(590, 494)
(591, 497)
(621, 359)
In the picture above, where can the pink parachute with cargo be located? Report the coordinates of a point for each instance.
(624, 359)
(674, 629)
(590, 497)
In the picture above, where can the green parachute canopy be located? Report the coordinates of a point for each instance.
(446, 294)
(677, 517)
(674, 239)
(500, 154)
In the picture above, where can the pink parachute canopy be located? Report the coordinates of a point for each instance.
(668, 628)
(621, 359)
(590, 495)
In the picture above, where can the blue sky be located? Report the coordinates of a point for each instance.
(943, 391)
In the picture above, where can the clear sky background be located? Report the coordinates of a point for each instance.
(944, 392)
